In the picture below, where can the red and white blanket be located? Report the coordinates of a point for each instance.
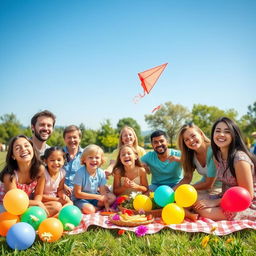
(202, 225)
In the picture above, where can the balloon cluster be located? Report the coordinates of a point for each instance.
(20, 223)
(164, 196)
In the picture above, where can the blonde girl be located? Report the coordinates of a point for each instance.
(89, 192)
(129, 175)
(127, 137)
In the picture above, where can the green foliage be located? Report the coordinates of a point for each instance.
(107, 136)
(204, 116)
(9, 127)
(56, 138)
(169, 118)
(88, 137)
(128, 121)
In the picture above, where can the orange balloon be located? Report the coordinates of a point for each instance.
(50, 230)
(16, 201)
(7, 220)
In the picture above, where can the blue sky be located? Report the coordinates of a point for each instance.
(80, 58)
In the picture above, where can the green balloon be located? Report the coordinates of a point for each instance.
(34, 215)
(70, 216)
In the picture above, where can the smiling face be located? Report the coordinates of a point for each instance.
(192, 138)
(55, 161)
(43, 128)
(159, 144)
(127, 137)
(93, 161)
(72, 140)
(127, 156)
(22, 150)
(222, 135)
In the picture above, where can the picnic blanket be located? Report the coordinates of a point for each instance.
(202, 225)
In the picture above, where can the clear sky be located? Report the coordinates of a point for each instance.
(80, 58)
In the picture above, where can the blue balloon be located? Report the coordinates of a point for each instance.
(21, 236)
(164, 195)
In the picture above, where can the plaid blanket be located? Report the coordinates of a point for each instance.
(202, 225)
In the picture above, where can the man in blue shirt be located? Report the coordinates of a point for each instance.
(72, 138)
(163, 163)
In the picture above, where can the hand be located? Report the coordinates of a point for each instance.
(133, 185)
(127, 182)
(102, 198)
(68, 191)
(108, 173)
(40, 204)
(174, 159)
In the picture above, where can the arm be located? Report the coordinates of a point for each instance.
(207, 184)
(104, 197)
(83, 195)
(186, 180)
(8, 185)
(109, 169)
(244, 176)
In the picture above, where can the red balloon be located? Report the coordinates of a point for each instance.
(236, 199)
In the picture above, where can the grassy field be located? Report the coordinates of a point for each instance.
(98, 241)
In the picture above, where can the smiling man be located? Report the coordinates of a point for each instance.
(163, 162)
(42, 125)
(72, 138)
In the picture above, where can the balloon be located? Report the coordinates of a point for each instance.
(236, 199)
(164, 195)
(50, 230)
(20, 236)
(70, 216)
(185, 195)
(34, 216)
(142, 202)
(173, 214)
(16, 201)
(7, 220)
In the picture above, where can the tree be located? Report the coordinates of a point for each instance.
(88, 137)
(10, 127)
(248, 121)
(170, 118)
(56, 138)
(204, 116)
(128, 121)
(107, 136)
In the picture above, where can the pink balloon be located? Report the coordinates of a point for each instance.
(236, 199)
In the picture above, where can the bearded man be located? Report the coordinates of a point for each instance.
(163, 163)
(42, 125)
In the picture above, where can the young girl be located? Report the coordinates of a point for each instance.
(127, 137)
(129, 175)
(89, 192)
(23, 170)
(54, 196)
(235, 167)
(196, 154)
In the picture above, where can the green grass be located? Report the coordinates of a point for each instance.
(99, 241)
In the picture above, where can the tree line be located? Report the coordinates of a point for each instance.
(170, 117)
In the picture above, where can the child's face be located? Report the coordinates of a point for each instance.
(222, 136)
(22, 150)
(93, 161)
(55, 161)
(192, 138)
(127, 137)
(127, 156)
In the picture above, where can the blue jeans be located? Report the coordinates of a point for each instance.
(81, 202)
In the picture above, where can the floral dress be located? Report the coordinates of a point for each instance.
(228, 181)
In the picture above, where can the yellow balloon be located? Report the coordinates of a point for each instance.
(16, 201)
(173, 214)
(185, 195)
(142, 202)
